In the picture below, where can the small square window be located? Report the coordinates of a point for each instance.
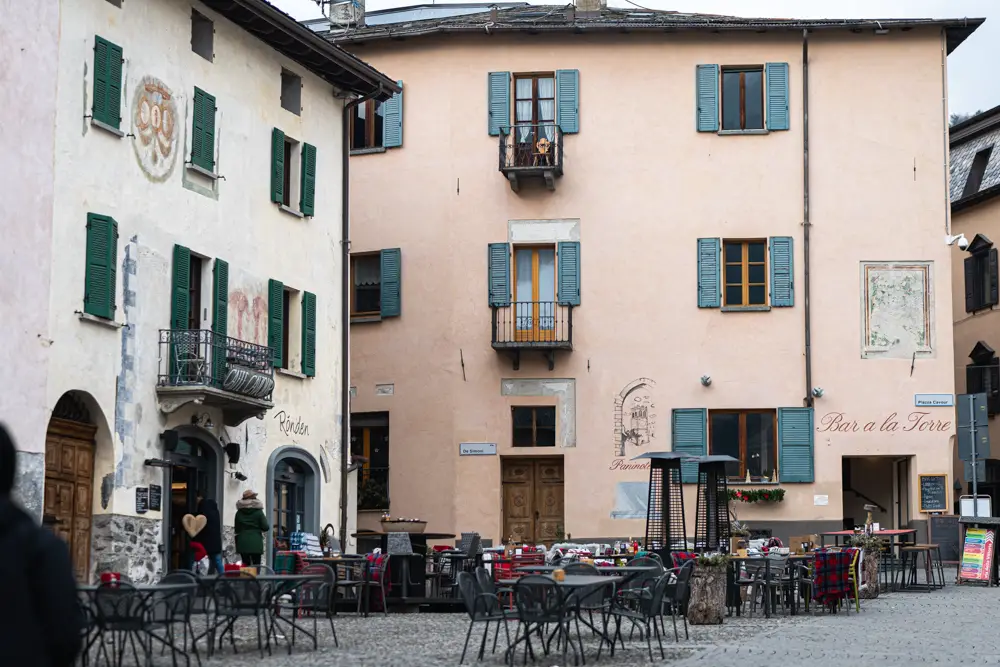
(291, 92)
(367, 122)
(366, 285)
(116, 3)
(977, 171)
(202, 36)
(533, 426)
(743, 98)
(745, 273)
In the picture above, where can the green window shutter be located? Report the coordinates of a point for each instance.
(498, 257)
(709, 292)
(203, 130)
(107, 82)
(392, 120)
(707, 92)
(689, 435)
(307, 198)
(277, 166)
(795, 444)
(568, 100)
(776, 76)
(180, 290)
(391, 276)
(308, 334)
(782, 272)
(101, 272)
(498, 102)
(220, 320)
(276, 322)
(569, 273)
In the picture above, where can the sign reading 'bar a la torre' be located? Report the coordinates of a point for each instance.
(918, 421)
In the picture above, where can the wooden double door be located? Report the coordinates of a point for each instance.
(533, 502)
(69, 483)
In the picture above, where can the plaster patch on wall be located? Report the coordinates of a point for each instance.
(385, 389)
(29, 482)
(154, 126)
(107, 489)
(897, 309)
(631, 500)
(563, 389)
(124, 386)
(543, 231)
(324, 464)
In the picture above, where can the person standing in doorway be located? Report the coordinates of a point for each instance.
(250, 525)
(210, 536)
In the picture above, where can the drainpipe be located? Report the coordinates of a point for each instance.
(345, 307)
(805, 215)
(944, 116)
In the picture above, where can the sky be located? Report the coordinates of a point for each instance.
(972, 81)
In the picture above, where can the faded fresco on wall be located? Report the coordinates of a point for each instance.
(154, 125)
(897, 309)
(631, 500)
(635, 416)
(247, 307)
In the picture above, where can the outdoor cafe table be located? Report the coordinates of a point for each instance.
(733, 595)
(890, 534)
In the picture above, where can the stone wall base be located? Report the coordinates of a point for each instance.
(128, 545)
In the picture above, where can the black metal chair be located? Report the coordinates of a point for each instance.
(676, 596)
(238, 597)
(313, 598)
(482, 607)
(646, 613)
(541, 603)
(170, 608)
(121, 611)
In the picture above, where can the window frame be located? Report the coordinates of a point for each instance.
(354, 257)
(195, 279)
(294, 480)
(291, 95)
(372, 142)
(742, 70)
(535, 99)
(745, 264)
(534, 426)
(202, 35)
(743, 412)
(536, 333)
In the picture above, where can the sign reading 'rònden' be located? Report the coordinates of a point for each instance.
(918, 421)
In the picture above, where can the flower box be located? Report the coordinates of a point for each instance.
(403, 526)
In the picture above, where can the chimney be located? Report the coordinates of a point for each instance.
(590, 7)
(349, 13)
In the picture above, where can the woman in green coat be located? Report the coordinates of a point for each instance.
(250, 526)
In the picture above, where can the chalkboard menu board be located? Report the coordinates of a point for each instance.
(155, 497)
(944, 533)
(141, 500)
(934, 493)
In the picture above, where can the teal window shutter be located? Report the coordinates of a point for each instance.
(309, 334)
(569, 273)
(498, 102)
(795, 444)
(391, 278)
(220, 320)
(203, 130)
(709, 292)
(689, 435)
(276, 322)
(392, 120)
(498, 257)
(277, 166)
(568, 100)
(307, 191)
(107, 103)
(101, 273)
(707, 92)
(180, 288)
(782, 272)
(776, 80)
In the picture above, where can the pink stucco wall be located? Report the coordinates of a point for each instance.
(644, 186)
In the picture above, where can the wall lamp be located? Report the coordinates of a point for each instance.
(817, 392)
(958, 239)
(706, 380)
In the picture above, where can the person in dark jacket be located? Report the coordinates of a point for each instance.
(42, 620)
(210, 536)
(250, 525)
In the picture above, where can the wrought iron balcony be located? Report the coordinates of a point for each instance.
(531, 151)
(545, 326)
(203, 367)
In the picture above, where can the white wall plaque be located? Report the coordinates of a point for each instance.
(385, 389)
(934, 400)
(477, 449)
(821, 501)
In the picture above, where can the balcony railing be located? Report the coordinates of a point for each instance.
(525, 324)
(373, 489)
(531, 150)
(192, 358)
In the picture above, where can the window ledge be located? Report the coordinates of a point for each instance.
(107, 128)
(745, 483)
(363, 319)
(201, 170)
(726, 133)
(368, 151)
(294, 374)
(746, 309)
(290, 211)
(99, 321)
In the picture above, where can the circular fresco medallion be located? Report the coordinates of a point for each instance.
(153, 124)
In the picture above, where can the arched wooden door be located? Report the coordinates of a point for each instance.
(69, 483)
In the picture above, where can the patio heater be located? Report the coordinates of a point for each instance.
(666, 531)
(712, 529)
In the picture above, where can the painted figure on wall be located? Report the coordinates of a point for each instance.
(897, 309)
(154, 122)
(249, 311)
(635, 415)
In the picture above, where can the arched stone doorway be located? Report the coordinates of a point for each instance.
(293, 493)
(69, 477)
(195, 470)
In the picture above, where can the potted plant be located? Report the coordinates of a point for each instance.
(707, 605)
(871, 552)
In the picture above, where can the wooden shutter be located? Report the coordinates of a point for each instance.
(970, 284)
(709, 294)
(106, 106)
(101, 272)
(707, 94)
(689, 435)
(498, 258)
(307, 198)
(309, 334)
(276, 322)
(180, 297)
(568, 100)
(277, 166)
(392, 120)
(569, 273)
(220, 320)
(203, 131)
(782, 272)
(391, 277)
(776, 75)
(795, 445)
(498, 102)
(991, 267)
(974, 379)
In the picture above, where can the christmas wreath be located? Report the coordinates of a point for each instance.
(757, 495)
